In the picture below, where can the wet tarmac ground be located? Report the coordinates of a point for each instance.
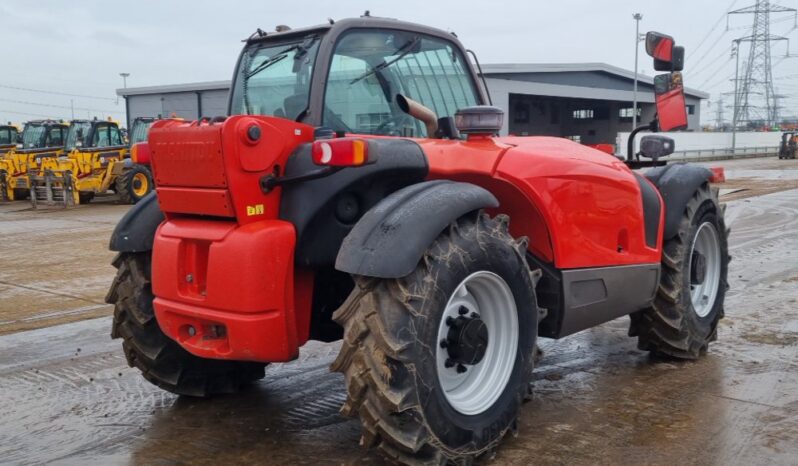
(68, 397)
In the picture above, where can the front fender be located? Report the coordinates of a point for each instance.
(136, 231)
(391, 238)
(677, 183)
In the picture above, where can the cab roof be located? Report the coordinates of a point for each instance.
(365, 21)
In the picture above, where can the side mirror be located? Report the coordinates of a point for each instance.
(659, 46)
(671, 106)
(656, 146)
(667, 56)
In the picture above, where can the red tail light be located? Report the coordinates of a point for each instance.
(342, 152)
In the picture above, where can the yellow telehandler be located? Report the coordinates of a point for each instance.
(10, 136)
(40, 139)
(96, 161)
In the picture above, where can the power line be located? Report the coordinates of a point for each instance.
(717, 23)
(16, 88)
(42, 115)
(67, 107)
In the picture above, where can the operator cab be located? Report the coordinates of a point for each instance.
(85, 135)
(375, 72)
(43, 134)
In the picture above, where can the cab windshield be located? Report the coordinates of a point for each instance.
(33, 136)
(274, 79)
(72, 138)
(370, 67)
(7, 136)
(139, 131)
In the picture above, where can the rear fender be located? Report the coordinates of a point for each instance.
(391, 238)
(677, 183)
(136, 231)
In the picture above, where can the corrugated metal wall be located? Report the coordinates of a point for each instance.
(183, 104)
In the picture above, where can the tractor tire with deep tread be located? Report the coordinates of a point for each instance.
(161, 360)
(672, 327)
(125, 184)
(388, 356)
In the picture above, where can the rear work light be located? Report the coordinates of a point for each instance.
(140, 153)
(342, 152)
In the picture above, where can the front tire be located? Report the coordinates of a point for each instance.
(161, 360)
(133, 184)
(430, 382)
(689, 303)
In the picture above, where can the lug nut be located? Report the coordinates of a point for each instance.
(444, 344)
(474, 315)
(448, 363)
(463, 310)
(461, 368)
(450, 321)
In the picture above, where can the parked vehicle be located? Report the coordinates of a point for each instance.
(40, 139)
(359, 191)
(788, 145)
(95, 161)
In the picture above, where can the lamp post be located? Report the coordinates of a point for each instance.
(637, 17)
(124, 79)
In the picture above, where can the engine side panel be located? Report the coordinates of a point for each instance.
(591, 202)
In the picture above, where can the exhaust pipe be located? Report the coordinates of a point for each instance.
(419, 112)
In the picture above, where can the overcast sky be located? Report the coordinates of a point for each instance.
(80, 47)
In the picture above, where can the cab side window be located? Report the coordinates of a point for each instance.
(55, 137)
(101, 137)
(116, 136)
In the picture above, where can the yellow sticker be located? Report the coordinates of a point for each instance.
(254, 210)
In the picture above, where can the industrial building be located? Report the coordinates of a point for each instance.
(588, 102)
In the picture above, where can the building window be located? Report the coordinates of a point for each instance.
(583, 114)
(371, 121)
(625, 114)
(691, 109)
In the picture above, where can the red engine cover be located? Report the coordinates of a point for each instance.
(214, 169)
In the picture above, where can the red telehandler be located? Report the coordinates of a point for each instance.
(358, 191)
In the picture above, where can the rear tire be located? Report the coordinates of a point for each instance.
(682, 321)
(85, 198)
(133, 184)
(392, 353)
(160, 359)
(21, 194)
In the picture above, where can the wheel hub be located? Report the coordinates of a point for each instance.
(477, 343)
(698, 268)
(467, 339)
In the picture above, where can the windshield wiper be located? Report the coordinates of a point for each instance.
(301, 49)
(404, 50)
(270, 61)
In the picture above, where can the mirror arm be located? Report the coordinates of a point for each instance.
(630, 144)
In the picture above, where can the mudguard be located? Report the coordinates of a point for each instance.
(677, 183)
(390, 239)
(136, 231)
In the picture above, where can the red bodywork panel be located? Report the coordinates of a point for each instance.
(579, 207)
(223, 264)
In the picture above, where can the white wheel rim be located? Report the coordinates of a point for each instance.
(474, 391)
(704, 294)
